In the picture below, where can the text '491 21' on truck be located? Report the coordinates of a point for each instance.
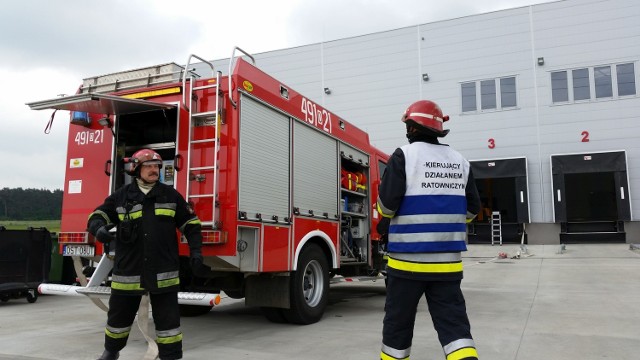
(285, 189)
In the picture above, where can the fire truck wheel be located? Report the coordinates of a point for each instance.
(309, 289)
(194, 310)
(275, 315)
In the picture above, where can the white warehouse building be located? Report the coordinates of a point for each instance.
(543, 101)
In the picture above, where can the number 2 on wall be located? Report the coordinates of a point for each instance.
(585, 136)
(492, 143)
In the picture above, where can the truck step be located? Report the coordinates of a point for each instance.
(212, 86)
(203, 141)
(205, 114)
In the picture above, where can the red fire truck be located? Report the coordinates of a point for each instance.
(285, 189)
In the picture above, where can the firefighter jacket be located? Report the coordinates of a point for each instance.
(428, 191)
(147, 256)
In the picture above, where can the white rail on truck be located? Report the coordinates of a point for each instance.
(232, 61)
(95, 289)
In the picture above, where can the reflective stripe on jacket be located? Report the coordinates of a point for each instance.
(147, 256)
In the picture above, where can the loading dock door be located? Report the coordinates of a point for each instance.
(590, 187)
(510, 176)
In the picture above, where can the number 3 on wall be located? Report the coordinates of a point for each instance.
(585, 136)
(492, 144)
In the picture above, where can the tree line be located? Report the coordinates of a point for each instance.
(30, 204)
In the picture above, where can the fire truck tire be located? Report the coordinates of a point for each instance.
(194, 310)
(275, 315)
(309, 291)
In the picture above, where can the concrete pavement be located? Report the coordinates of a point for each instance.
(580, 303)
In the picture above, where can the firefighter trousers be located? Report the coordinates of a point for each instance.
(166, 317)
(448, 312)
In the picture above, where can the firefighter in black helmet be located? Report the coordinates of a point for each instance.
(428, 193)
(146, 213)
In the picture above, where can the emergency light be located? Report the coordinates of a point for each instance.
(80, 118)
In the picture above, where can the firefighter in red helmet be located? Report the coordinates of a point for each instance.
(428, 193)
(425, 116)
(140, 157)
(147, 214)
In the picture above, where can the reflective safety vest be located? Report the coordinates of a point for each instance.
(428, 231)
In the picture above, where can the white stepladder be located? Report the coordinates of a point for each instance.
(496, 228)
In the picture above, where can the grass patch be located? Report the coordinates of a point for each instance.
(51, 225)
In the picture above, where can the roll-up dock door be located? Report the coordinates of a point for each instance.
(502, 184)
(591, 196)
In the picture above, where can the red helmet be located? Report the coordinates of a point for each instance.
(427, 115)
(132, 164)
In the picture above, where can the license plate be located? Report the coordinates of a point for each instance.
(78, 250)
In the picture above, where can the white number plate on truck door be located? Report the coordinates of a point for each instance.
(78, 250)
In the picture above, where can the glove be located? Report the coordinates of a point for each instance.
(196, 262)
(384, 238)
(104, 235)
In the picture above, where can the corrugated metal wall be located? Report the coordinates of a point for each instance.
(374, 77)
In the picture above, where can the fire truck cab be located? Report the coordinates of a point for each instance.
(284, 188)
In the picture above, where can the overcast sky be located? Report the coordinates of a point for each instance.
(47, 47)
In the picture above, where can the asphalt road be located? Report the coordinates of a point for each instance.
(577, 304)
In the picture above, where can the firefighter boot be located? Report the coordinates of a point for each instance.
(108, 355)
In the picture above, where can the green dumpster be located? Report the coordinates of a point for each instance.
(55, 273)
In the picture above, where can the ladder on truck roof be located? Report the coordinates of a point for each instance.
(205, 143)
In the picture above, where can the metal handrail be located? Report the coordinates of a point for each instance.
(184, 78)
(231, 63)
(216, 146)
